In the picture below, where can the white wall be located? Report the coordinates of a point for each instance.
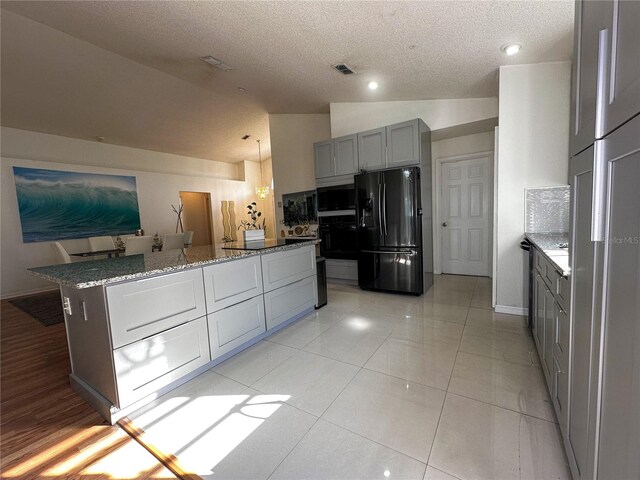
(452, 147)
(156, 192)
(54, 148)
(348, 118)
(292, 139)
(533, 148)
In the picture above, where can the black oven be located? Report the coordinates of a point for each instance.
(339, 197)
(339, 238)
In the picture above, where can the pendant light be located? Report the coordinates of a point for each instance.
(263, 190)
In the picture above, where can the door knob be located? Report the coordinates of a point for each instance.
(444, 224)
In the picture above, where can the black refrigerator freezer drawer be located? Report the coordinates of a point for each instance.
(397, 271)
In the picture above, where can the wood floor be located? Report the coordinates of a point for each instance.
(46, 430)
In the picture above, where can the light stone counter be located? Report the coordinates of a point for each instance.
(547, 243)
(134, 267)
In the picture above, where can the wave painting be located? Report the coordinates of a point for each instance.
(58, 205)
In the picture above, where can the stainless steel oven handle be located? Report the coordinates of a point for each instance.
(382, 252)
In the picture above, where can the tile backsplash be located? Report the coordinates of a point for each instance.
(547, 209)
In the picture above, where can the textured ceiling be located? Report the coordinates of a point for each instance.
(160, 96)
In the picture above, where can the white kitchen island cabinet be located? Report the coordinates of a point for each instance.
(141, 325)
(233, 326)
(233, 282)
(149, 306)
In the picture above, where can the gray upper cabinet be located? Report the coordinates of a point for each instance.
(336, 160)
(591, 18)
(346, 155)
(323, 154)
(622, 98)
(403, 144)
(399, 145)
(372, 146)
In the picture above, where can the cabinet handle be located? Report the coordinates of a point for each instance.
(601, 89)
(598, 200)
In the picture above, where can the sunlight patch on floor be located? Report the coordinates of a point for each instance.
(202, 431)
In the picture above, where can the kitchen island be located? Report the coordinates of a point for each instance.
(141, 325)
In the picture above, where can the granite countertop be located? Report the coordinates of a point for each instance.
(547, 243)
(133, 267)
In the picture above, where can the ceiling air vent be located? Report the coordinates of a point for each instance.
(344, 69)
(214, 62)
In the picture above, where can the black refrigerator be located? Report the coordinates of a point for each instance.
(389, 225)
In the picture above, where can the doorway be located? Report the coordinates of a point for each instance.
(196, 217)
(465, 214)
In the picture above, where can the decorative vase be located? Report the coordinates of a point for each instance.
(252, 235)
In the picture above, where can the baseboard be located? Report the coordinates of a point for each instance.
(511, 310)
(24, 293)
(342, 281)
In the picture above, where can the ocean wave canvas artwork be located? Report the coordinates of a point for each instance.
(58, 205)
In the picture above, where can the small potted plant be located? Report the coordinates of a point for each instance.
(254, 229)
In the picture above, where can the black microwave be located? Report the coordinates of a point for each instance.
(339, 197)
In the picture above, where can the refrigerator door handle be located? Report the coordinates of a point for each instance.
(384, 207)
(380, 206)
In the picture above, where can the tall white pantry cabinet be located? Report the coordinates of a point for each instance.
(602, 432)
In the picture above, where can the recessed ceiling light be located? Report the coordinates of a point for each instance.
(512, 48)
(373, 85)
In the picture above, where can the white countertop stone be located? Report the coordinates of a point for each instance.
(133, 267)
(547, 243)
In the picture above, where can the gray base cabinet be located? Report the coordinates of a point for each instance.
(550, 331)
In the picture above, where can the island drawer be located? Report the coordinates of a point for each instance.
(231, 327)
(288, 266)
(145, 366)
(228, 283)
(286, 302)
(142, 308)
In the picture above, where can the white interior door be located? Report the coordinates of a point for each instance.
(465, 216)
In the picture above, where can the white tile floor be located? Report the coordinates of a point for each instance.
(372, 386)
